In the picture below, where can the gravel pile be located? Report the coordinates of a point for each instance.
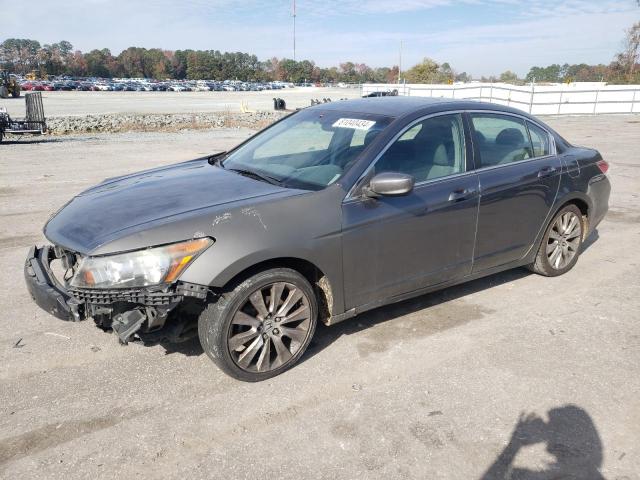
(112, 123)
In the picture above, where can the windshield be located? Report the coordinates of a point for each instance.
(309, 150)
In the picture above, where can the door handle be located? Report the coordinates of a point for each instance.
(461, 194)
(547, 172)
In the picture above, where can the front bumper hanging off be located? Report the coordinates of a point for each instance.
(128, 312)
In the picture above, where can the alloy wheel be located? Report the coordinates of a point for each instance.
(564, 240)
(270, 327)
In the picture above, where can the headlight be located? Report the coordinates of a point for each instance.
(141, 268)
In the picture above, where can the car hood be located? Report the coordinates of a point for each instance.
(120, 206)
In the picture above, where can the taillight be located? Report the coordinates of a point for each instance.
(603, 166)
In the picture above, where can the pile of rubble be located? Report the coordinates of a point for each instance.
(160, 122)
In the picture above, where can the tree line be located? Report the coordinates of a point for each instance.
(23, 56)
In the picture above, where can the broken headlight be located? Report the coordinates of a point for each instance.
(141, 268)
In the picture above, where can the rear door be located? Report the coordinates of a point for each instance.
(395, 245)
(519, 179)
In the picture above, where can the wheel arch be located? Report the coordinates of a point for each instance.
(584, 205)
(319, 280)
(578, 199)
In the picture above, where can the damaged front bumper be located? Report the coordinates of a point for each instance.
(140, 312)
(45, 289)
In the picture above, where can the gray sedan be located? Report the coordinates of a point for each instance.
(332, 211)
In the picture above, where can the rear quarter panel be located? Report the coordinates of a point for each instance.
(583, 180)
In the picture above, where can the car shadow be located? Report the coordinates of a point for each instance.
(326, 335)
(570, 437)
(189, 348)
(590, 240)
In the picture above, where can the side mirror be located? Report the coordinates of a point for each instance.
(389, 184)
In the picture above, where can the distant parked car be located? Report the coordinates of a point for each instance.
(386, 93)
(58, 86)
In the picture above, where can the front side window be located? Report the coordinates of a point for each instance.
(430, 149)
(501, 139)
(539, 140)
(309, 150)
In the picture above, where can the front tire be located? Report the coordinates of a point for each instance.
(561, 244)
(262, 326)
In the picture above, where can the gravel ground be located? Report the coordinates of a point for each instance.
(431, 388)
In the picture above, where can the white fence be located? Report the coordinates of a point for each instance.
(565, 99)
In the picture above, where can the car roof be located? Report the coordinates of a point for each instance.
(396, 106)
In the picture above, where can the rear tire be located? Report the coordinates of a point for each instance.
(561, 244)
(252, 338)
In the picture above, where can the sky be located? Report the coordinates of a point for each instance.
(480, 37)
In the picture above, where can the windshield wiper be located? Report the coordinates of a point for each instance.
(257, 176)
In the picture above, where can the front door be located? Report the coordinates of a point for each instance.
(519, 179)
(397, 244)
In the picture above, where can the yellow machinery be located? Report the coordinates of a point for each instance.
(8, 85)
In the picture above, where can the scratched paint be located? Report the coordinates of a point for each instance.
(254, 213)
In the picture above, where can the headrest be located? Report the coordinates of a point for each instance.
(441, 157)
(510, 136)
(368, 138)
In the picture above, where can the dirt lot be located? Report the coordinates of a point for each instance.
(430, 388)
(58, 104)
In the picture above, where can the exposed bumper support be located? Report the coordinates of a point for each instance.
(128, 312)
(45, 290)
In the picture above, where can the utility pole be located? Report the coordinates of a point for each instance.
(294, 30)
(400, 63)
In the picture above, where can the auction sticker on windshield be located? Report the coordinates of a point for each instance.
(354, 123)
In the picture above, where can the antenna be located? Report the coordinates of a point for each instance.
(294, 30)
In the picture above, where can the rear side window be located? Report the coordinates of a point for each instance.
(501, 139)
(539, 140)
